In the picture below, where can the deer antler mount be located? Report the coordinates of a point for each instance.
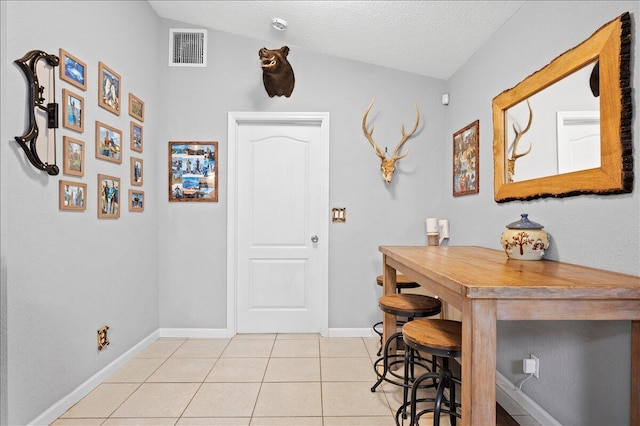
(511, 161)
(388, 165)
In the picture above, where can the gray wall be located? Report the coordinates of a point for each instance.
(195, 233)
(3, 224)
(67, 273)
(584, 377)
(152, 285)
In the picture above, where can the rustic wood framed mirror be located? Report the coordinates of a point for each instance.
(594, 152)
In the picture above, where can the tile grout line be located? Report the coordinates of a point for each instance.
(321, 381)
(143, 382)
(255, 404)
(201, 383)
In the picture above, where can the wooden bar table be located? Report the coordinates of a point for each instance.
(486, 287)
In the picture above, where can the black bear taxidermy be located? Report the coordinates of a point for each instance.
(277, 73)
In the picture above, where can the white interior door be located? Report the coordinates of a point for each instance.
(280, 226)
(578, 140)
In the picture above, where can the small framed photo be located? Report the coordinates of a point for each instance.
(136, 137)
(73, 70)
(193, 171)
(136, 171)
(108, 143)
(136, 200)
(136, 107)
(109, 86)
(72, 195)
(466, 160)
(108, 197)
(73, 152)
(72, 111)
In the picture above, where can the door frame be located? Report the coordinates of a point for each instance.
(235, 119)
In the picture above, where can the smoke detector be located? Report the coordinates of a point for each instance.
(279, 24)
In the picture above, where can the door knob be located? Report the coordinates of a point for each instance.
(314, 239)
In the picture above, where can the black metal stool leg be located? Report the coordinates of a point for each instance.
(405, 391)
(434, 369)
(375, 329)
(414, 400)
(444, 379)
(385, 361)
(452, 402)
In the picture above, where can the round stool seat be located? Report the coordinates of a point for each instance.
(402, 282)
(436, 336)
(441, 338)
(410, 305)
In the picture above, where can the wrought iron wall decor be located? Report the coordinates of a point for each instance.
(41, 102)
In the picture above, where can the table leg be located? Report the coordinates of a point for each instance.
(388, 320)
(479, 362)
(634, 418)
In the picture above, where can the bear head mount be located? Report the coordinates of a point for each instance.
(277, 74)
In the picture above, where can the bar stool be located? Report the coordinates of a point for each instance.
(410, 306)
(402, 283)
(441, 338)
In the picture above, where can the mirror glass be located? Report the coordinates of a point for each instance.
(566, 129)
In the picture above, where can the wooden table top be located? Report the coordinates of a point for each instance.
(487, 286)
(479, 272)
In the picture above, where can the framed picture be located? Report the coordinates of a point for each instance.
(109, 86)
(193, 171)
(108, 143)
(73, 70)
(136, 200)
(136, 171)
(72, 111)
(108, 197)
(136, 137)
(73, 152)
(136, 107)
(466, 160)
(72, 195)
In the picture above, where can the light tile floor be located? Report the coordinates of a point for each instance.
(261, 380)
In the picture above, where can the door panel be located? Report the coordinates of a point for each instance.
(285, 291)
(278, 192)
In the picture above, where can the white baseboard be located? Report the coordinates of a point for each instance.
(351, 332)
(221, 333)
(60, 407)
(195, 333)
(527, 404)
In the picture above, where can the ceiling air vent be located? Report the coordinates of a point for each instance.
(187, 48)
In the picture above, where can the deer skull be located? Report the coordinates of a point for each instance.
(388, 165)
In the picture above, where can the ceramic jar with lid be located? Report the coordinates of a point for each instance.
(525, 239)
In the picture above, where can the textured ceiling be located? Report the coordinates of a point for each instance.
(432, 38)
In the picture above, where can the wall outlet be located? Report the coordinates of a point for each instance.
(103, 339)
(531, 365)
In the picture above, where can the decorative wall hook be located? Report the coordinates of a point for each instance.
(40, 100)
